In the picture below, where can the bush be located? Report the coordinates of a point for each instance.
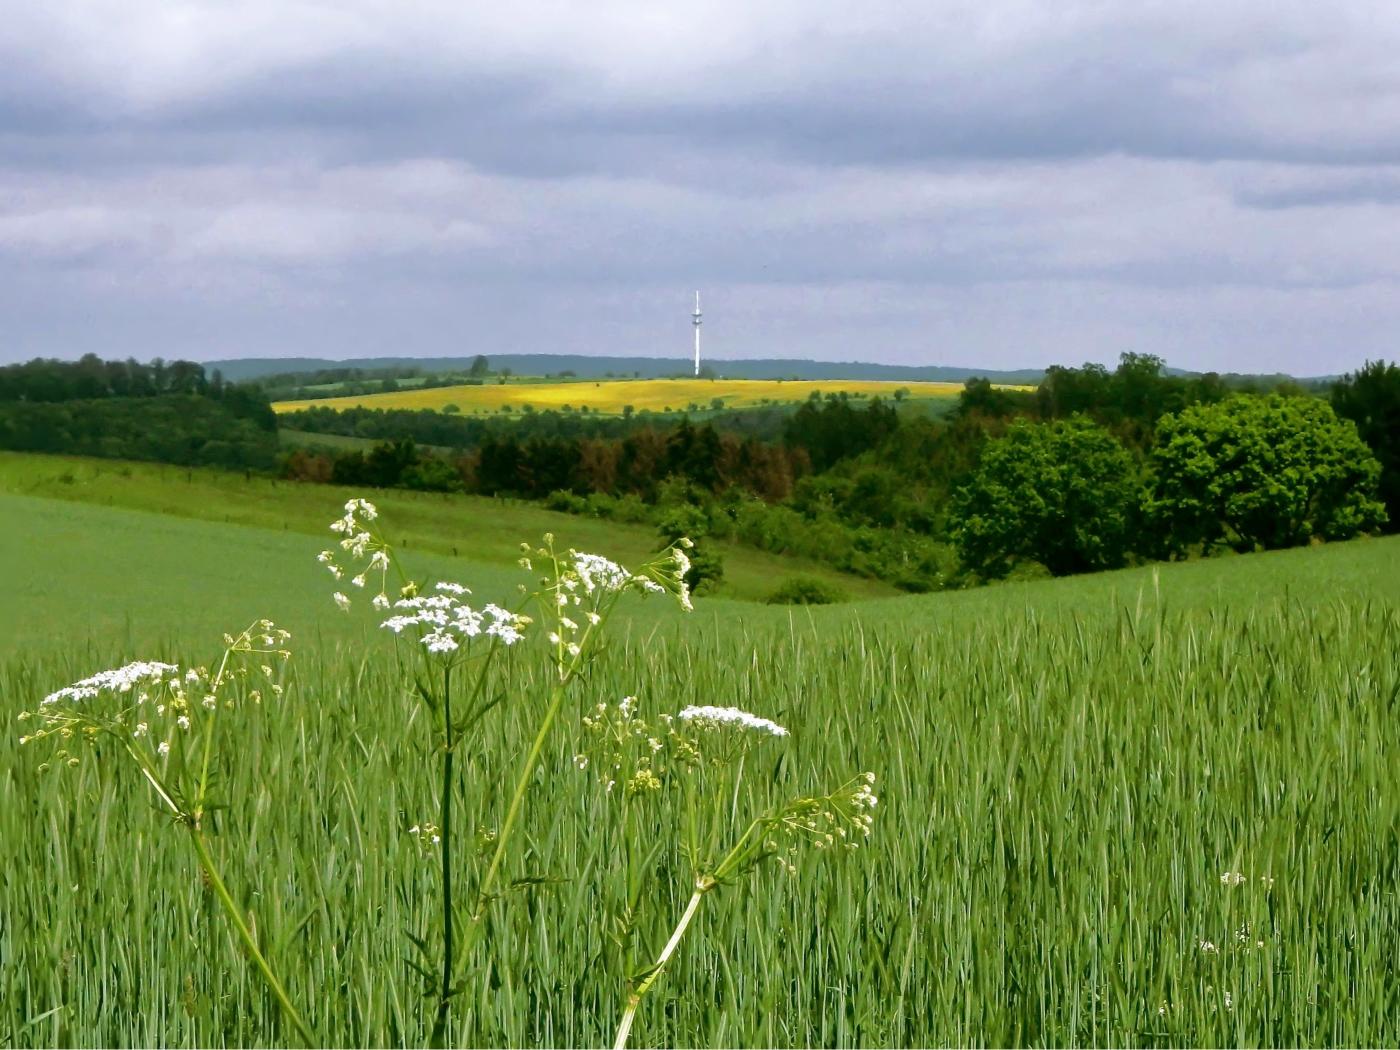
(806, 590)
(1267, 472)
(1370, 398)
(1064, 494)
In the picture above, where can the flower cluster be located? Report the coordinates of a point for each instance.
(834, 820)
(445, 622)
(730, 717)
(626, 747)
(151, 705)
(360, 540)
(1239, 878)
(581, 590)
(117, 680)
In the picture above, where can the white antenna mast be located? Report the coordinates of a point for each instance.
(695, 321)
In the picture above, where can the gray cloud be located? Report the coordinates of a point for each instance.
(1006, 184)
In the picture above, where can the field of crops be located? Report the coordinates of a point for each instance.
(612, 396)
(1136, 809)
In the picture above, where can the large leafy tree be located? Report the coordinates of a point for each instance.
(1253, 472)
(1370, 398)
(1064, 494)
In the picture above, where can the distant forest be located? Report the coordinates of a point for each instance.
(168, 411)
(617, 367)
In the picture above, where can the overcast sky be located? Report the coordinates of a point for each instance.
(992, 184)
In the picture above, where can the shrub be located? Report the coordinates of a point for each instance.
(1265, 472)
(806, 590)
(1064, 494)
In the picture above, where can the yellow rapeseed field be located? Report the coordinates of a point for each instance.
(611, 396)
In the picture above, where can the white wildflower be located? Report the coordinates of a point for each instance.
(714, 717)
(117, 680)
(598, 573)
(341, 601)
(363, 507)
(440, 642)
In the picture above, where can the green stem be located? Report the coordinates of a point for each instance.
(702, 886)
(206, 861)
(440, 1025)
(488, 881)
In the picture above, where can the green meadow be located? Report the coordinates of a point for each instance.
(483, 529)
(1153, 807)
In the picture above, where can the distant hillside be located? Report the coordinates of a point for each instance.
(640, 367)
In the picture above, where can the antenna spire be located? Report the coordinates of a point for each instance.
(695, 322)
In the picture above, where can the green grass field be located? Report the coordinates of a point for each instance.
(1066, 770)
(487, 530)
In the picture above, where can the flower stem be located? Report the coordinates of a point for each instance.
(439, 1035)
(488, 881)
(702, 886)
(206, 861)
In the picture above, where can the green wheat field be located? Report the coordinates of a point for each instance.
(1143, 808)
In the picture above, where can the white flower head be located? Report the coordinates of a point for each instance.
(342, 601)
(362, 507)
(730, 717)
(118, 680)
(597, 573)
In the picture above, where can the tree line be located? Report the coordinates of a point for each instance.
(165, 411)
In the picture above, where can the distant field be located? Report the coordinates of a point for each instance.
(483, 529)
(611, 397)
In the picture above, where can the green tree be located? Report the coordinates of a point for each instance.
(1252, 472)
(1064, 494)
(480, 367)
(1370, 398)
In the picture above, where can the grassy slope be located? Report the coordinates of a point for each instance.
(485, 530)
(112, 572)
(610, 396)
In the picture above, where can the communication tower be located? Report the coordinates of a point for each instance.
(695, 323)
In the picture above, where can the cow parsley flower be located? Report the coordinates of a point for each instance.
(445, 622)
(718, 717)
(118, 680)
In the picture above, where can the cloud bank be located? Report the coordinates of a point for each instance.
(1000, 184)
